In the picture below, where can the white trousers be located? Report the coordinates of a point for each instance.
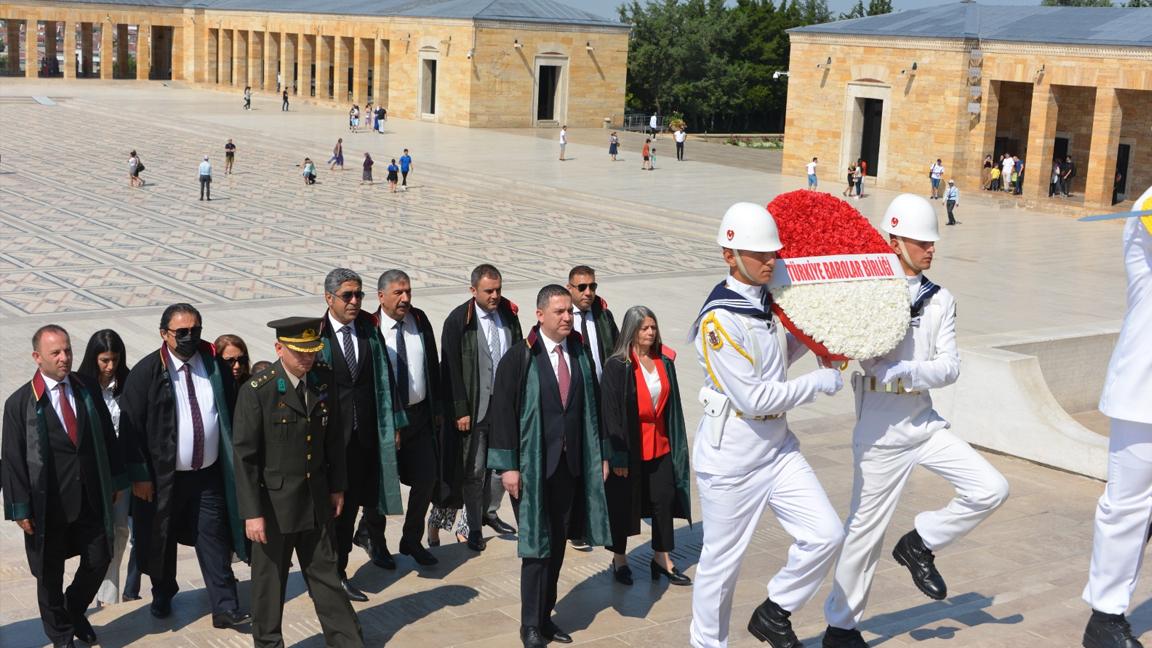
(1122, 517)
(880, 476)
(109, 592)
(731, 507)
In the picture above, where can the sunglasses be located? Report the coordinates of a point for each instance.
(185, 332)
(349, 295)
(585, 286)
(240, 359)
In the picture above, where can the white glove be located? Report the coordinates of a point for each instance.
(889, 373)
(828, 381)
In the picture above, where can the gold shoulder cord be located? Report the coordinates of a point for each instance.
(713, 335)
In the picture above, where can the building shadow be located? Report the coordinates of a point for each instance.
(381, 622)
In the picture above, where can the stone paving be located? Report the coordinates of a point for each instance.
(79, 247)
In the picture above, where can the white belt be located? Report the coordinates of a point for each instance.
(874, 384)
(748, 417)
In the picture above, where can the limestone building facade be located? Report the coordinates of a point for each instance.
(502, 63)
(964, 80)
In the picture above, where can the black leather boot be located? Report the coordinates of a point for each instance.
(921, 563)
(770, 623)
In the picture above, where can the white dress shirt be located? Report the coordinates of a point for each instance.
(54, 396)
(550, 347)
(580, 318)
(206, 398)
(336, 326)
(414, 349)
(109, 394)
(487, 321)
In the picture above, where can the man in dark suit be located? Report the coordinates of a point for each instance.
(365, 399)
(411, 346)
(290, 481)
(62, 473)
(476, 335)
(591, 317)
(176, 432)
(547, 444)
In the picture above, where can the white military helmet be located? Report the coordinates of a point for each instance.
(748, 226)
(911, 216)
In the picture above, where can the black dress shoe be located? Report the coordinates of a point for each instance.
(161, 609)
(552, 633)
(840, 638)
(499, 526)
(1109, 631)
(921, 563)
(580, 544)
(230, 619)
(130, 597)
(361, 539)
(83, 629)
(353, 593)
(770, 623)
(622, 574)
(675, 577)
(531, 638)
(476, 540)
(381, 557)
(421, 555)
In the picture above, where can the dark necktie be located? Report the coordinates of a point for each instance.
(197, 421)
(302, 391)
(563, 377)
(68, 414)
(350, 351)
(401, 364)
(584, 332)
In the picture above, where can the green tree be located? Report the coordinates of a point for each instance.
(878, 7)
(857, 11)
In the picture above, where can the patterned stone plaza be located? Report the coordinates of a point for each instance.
(79, 247)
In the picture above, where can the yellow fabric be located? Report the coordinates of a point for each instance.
(710, 332)
(1147, 220)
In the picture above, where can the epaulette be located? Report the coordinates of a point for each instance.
(263, 377)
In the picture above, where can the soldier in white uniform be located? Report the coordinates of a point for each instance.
(745, 456)
(897, 429)
(1125, 508)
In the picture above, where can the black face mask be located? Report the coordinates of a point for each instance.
(187, 345)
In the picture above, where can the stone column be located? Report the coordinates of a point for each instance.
(143, 51)
(106, 47)
(31, 49)
(13, 42)
(224, 59)
(69, 49)
(239, 58)
(86, 49)
(1041, 140)
(380, 72)
(288, 46)
(340, 69)
(307, 46)
(323, 60)
(360, 59)
(121, 51)
(255, 59)
(271, 60)
(211, 71)
(1100, 172)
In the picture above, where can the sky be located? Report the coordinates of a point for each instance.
(607, 8)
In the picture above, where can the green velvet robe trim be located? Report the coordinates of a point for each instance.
(678, 440)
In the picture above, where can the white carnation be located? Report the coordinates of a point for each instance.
(857, 319)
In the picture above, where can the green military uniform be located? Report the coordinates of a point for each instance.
(289, 461)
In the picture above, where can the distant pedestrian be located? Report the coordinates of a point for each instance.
(367, 176)
(1117, 187)
(646, 153)
(392, 172)
(986, 173)
(284, 101)
(680, 136)
(247, 97)
(654, 124)
(1007, 166)
(367, 116)
(1018, 165)
(229, 156)
(935, 173)
(652, 156)
(862, 172)
(613, 145)
(1068, 172)
(811, 170)
(1054, 181)
(278, 81)
(951, 199)
(337, 159)
(205, 179)
(563, 141)
(851, 181)
(309, 171)
(353, 118)
(994, 183)
(134, 166)
(405, 168)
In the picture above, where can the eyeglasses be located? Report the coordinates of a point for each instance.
(349, 295)
(585, 286)
(235, 360)
(185, 332)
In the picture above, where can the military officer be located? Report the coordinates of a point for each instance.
(1123, 511)
(745, 456)
(290, 482)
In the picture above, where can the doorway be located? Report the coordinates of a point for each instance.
(1120, 185)
(873, 110)
(162, 38)
(428, 86)
(549, 87)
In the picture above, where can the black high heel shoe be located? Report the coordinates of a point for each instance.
(674, 576)
(622, 574)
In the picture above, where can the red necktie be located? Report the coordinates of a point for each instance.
(562, 376)
(68, 414)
